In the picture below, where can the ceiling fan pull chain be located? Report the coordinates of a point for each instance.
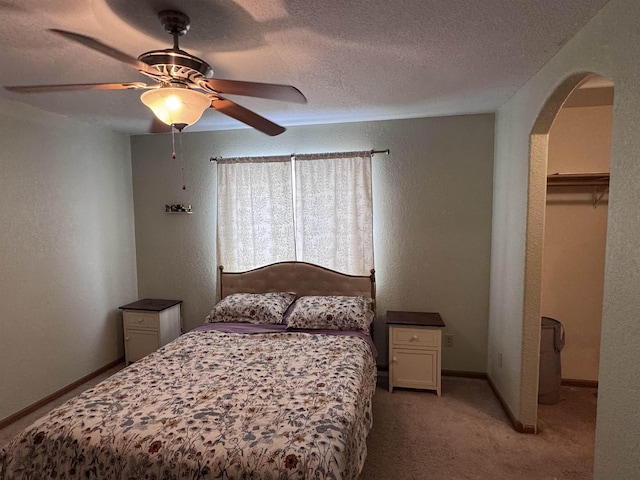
(182, 160)
(173, 142)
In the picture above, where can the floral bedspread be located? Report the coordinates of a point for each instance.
(213, 405)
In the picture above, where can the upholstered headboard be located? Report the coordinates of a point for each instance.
(300, 277)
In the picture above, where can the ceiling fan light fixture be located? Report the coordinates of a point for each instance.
(176, 105)
(176, 98)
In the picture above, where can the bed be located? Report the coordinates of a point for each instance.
(229, 399)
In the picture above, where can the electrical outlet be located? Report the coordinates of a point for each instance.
(448, 340)
(500, 359)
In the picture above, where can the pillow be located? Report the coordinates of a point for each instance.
(331, 312)
(252, 307)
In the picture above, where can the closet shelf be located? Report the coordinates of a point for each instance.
(578, 179)
(582, 180)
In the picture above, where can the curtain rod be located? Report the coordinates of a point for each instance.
(372, 152)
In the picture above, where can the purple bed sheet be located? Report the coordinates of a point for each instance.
(249, 328)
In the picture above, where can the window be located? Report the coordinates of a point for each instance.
(311, 208)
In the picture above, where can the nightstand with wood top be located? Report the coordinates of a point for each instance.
(148, 325)
(415, 350)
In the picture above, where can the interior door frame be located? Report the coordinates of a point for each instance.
(534, 244)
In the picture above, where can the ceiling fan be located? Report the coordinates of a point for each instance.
(184, 85)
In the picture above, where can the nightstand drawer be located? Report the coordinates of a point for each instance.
(416, 337)
(140, 319)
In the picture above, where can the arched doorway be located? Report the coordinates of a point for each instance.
(535, 234)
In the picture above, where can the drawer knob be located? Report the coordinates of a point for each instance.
(127, 339)
(394, 359)
(139, 320)
(415, 337)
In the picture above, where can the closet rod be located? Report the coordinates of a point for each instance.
(372, 152)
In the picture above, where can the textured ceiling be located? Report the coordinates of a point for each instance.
(354, 60)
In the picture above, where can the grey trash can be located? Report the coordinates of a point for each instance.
(550, 375)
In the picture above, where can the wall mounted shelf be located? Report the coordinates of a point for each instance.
(179, 213)
(179, 208)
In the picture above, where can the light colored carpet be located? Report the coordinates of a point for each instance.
(15, 428)
(462, 435)
(465, 434)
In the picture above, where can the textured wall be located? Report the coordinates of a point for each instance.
(608, 45)
(67, 254)
(432, 217)
(575, 237)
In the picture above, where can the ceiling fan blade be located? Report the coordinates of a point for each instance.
(78, 86)
(272, 91)
(246, 116)
(107, 50)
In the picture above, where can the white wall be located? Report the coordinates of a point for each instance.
(610, 46)
(432, 217)
(575, 237)
(67, 255)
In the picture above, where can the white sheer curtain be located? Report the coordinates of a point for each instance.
(326, 219)
(255, 212)
(334, 211)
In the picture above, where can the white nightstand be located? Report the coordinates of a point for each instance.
(415, 350)
(148, 325)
